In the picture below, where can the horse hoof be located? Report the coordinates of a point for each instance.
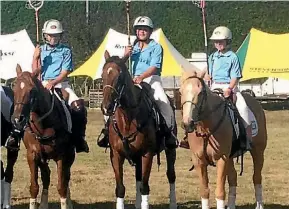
(43, 206)
(174, 206)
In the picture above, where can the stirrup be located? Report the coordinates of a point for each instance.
(15, 147)
(103, 142)
(185, 143)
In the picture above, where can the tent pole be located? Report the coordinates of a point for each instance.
(87, 11)
(128, 32)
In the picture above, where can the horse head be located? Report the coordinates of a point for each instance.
(117, 84)
(193, 99)
(27, 92)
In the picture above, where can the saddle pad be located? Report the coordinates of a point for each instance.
(252, 117)
(235, 122)
(146, 87)
(254, 123)
(66, 111)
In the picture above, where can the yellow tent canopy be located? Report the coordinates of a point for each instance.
(264, 55)
(115, 43)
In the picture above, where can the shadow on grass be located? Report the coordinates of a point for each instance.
(111, 205)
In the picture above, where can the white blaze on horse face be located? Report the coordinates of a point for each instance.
(22, 85)
(109, 70)
(187, 98)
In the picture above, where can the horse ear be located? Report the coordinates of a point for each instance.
(18, 70)
(106, 55)
(34, 74)
(201, 73)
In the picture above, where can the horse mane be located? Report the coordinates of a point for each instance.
(34, 81)
(194, 73)
(130, 93)
(187, 74)
(42, 94)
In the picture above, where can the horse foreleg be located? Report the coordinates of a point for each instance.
(2, 183)
(11, 160)
(117, 164)
(45, 177)
(138, 178)
(63, 171)
(221, 180)
(258, 160)
(202, 170)
(34, 187)
(171, 175)
(232, 180)
(146, 170)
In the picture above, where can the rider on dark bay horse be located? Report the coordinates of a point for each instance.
(54, 66)
(147, 60)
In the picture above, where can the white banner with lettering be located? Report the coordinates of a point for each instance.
(15, 48)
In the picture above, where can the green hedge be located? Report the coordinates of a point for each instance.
(180, 20)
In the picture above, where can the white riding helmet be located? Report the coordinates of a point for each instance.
(221, 33)
(143, 21)
(52, 27)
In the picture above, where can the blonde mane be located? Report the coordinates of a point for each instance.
(187, 74)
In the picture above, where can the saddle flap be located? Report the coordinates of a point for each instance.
(63, 105)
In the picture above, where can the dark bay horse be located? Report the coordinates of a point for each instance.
(133, 133)
(205, 116)
(39, 114)
(12, 155)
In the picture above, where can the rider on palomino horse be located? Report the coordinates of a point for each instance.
(53, 61)
(147, 59)
(225, 72)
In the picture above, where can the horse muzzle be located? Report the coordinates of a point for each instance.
(18, 122)
(189, 127)
(106, 109)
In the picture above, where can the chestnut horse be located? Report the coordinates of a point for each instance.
(206, 118)
(133, 131)
(38, 113)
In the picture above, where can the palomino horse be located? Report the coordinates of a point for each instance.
(205, 117)
(38, 113)
(133, 133)
(7, 174)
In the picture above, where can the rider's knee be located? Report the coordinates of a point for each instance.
(78, 105)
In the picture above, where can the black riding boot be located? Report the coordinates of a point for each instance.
(79, 121)
(104, 141)
(171, 140)
(13, 141)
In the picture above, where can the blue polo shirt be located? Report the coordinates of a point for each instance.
(224, 67)
(150, 56)
(54, 60)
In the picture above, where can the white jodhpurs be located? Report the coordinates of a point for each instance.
(65, 85)
(240, 103)
(161, 100)
(6, 104)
